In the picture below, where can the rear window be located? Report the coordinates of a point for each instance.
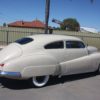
(24, 41)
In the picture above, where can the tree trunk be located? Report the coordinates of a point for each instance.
(47, 11)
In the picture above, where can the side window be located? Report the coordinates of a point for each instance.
(74, 44)
(55, 45)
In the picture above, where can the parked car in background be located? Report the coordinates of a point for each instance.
(38, 57)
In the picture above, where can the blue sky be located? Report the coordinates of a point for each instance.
(86, 13)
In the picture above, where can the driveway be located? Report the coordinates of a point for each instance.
(75, 87)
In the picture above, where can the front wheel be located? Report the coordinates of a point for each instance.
(39, 81)
(99, 69)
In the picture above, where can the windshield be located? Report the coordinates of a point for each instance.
(24, 41)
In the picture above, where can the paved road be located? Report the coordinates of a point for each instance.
(76, 87)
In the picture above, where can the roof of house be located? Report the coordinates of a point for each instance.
(26, 24)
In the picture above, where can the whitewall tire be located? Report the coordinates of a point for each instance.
(39, 81)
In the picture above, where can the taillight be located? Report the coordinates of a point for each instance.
(1, 65)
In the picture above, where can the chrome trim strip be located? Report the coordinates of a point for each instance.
(10, 74)
(0, 73)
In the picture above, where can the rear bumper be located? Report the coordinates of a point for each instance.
(10, 74)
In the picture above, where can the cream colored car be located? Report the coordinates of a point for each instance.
(40, 56)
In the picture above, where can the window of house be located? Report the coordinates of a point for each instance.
(74, 44)
(55, 45)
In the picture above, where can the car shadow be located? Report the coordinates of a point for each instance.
(70, 78)
(14, 84)
(24, 84)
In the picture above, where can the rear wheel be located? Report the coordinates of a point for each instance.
(39, 81)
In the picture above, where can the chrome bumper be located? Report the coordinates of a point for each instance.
(10, 74)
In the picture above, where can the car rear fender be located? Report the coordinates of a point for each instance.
(39, 71)
(41, 65)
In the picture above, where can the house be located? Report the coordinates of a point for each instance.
(33, 24)
(26, 24)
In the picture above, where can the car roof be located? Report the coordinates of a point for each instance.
(52, 37)
(39, 41)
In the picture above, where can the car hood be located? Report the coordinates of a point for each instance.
(10, 52)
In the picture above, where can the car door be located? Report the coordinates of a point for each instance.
(56, 49)
(74, 63)
(75, 49)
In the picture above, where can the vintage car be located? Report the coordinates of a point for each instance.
(38, 57)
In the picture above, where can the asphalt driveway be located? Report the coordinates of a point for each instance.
(75, 87)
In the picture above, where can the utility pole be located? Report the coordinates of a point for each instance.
(47, 11)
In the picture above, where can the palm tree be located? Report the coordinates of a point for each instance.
(47, 11)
